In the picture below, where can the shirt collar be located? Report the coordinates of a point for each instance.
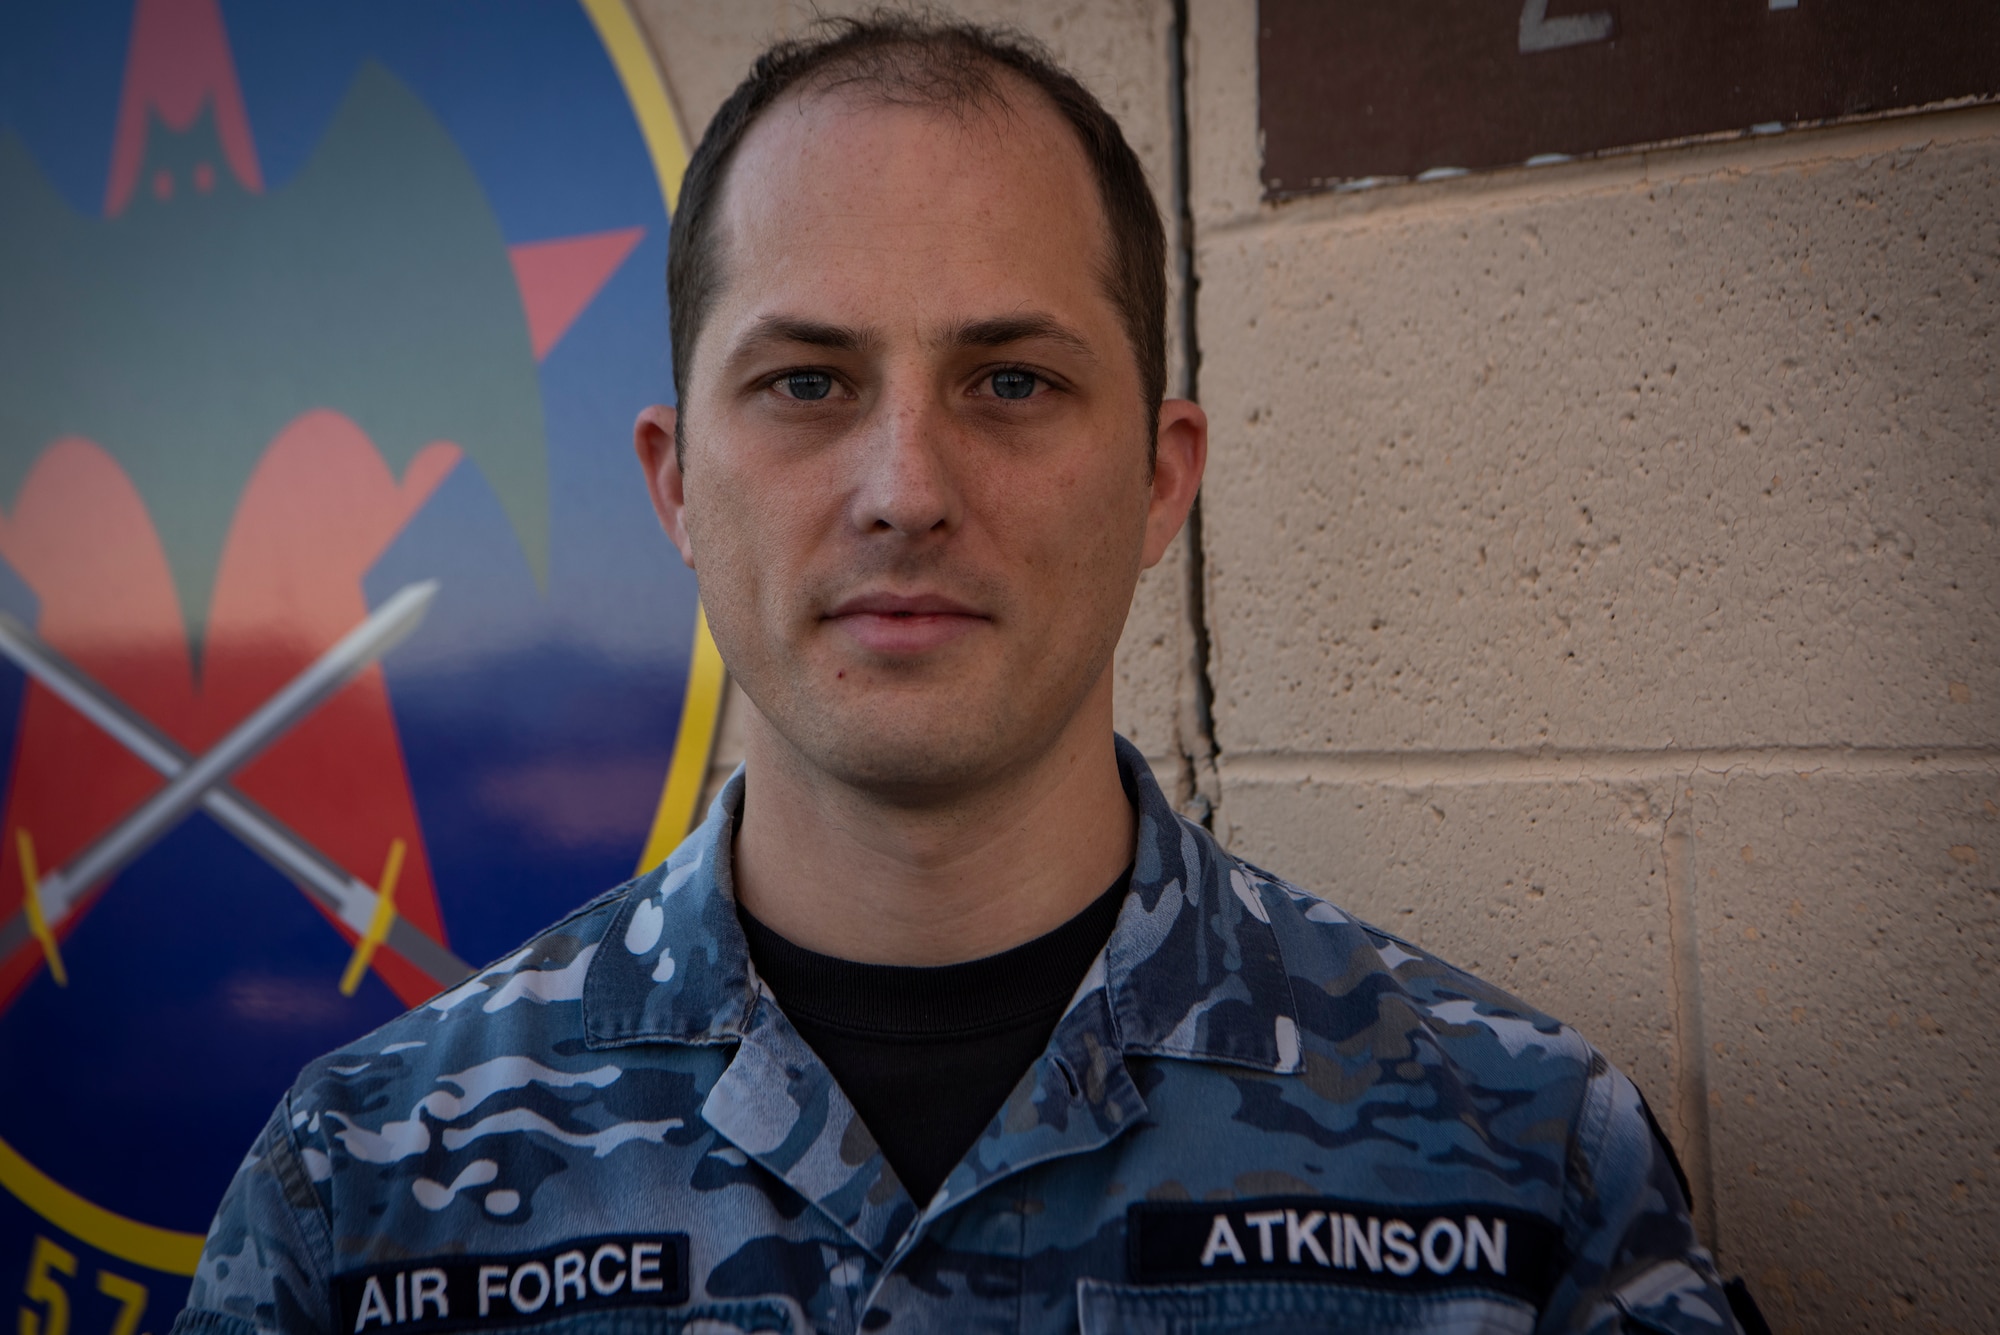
(1192, 969)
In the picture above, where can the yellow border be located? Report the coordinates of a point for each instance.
(644, 89)
(687, 773)
(127, 1239)
(178, 1253)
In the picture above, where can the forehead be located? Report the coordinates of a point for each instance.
(919, 204)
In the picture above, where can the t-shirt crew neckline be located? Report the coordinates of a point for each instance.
(927, 1055)
(924, 1002)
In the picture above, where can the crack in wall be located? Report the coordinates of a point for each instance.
(1194, 720)
(1691, 1108)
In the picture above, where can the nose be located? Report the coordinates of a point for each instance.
(904, 481)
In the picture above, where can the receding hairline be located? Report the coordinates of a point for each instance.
(945, 66)
(991, 102)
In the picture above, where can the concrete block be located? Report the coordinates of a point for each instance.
(1225, 155)
(1632, 461)
(1850, 942)
(1155, 666)
(1552, 889)
(705, 47)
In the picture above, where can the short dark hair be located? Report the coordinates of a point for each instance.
(924, 60)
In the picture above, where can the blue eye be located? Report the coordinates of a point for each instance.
(1013, 384)
(807, 385)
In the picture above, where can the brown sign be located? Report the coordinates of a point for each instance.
(1358, 90)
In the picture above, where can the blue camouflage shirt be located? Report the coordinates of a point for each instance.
(1257, 1114)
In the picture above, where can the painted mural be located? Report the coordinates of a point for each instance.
(339, 649)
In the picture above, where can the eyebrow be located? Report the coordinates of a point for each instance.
(812, 333)
(1006, 329)
(1000, 331)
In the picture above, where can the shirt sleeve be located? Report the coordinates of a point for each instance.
(266, 1262)
(1634, 1263)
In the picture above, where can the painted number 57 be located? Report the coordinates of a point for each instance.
(48, 1266)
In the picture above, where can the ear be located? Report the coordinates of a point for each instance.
(653, 438)
(1180, 454)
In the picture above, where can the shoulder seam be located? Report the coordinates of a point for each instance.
(582, 910)
(615, 894)
(292, 1175)
(1593, 1114)
(1292, 1012)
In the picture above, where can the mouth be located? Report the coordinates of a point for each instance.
(904, 624)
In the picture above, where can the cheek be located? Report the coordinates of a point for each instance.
(720, 522)
(752, 529)
(1078, 531)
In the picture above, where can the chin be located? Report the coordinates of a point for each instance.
(909, 754)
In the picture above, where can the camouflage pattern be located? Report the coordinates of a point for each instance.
(1238, 1039)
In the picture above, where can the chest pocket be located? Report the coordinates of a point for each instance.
(1279, 1308)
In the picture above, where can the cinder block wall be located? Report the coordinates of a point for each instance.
(1600, 586)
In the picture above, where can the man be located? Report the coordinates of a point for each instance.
(944, 1020)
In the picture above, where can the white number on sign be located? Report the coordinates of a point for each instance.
(1539, 32)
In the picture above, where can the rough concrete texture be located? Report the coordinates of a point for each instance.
(1122, 51)
(1688, 463)
(1223, 139)
(1558, 522)
(1850, 939)
(1553, 889)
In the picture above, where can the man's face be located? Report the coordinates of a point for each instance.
(915, 483)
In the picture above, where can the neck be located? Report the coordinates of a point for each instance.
(860, 877)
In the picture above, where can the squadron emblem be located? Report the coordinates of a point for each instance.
(340, 649)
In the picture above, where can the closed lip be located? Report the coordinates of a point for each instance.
(903, 605)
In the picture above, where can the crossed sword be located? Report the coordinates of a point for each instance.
(48, 899)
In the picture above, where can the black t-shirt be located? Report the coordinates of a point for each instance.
(928, 1055)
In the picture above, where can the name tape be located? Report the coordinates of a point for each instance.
(1344, 1242)
(456, 1292)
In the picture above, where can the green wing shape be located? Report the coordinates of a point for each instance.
(183, 335)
